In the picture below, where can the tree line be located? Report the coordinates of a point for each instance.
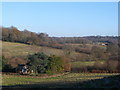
(12, 34)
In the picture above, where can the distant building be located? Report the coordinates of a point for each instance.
(102, 43)
(23, 69)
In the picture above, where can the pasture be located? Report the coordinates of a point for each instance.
(15, 50)
(10, 49)
(66, 80)
(82, 63)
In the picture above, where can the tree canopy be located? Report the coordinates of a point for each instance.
(42, 63)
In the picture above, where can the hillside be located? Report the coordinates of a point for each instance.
(16, 51)
(11, 49)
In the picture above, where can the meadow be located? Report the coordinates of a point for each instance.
(15, 50)
(82, 63)
(66, 80)
(11, 49)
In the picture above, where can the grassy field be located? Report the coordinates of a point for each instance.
(68, 80)
(11, 49)
(82, 63)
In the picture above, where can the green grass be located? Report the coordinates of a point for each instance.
(82, 63)
(60, 81)
(11, 49)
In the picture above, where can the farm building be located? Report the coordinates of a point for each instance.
(23, 69)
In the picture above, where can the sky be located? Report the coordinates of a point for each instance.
(63, 19)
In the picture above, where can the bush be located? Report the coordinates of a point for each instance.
(41, 63)
(56, 65)
(100, 65)
(38, 62)
(112, 65)
(67, 64)
(4, 66)
(81, 69)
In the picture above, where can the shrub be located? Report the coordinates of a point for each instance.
(38, 62)
(79, 69)
(4, 66)
(100, 65)
(42, 63)
(112, 65)
(67, 64)
(56, 64)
